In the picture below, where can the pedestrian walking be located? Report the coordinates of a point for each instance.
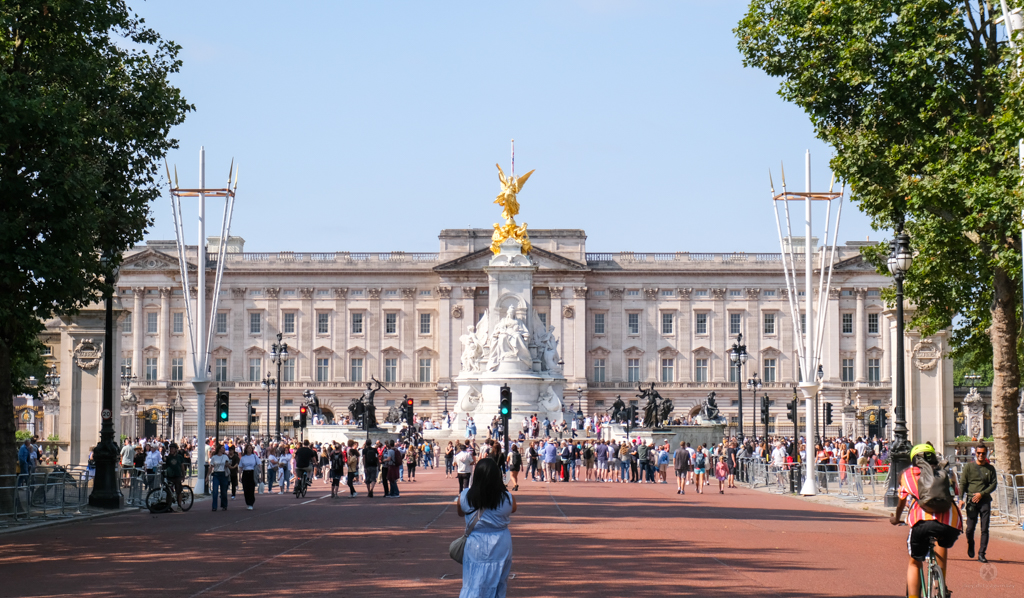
(233, 459)
(219, 476)
(515, 465)
(248, 463)
(371, 463)
(449, 460)
(487, 506)
(700, 464)
(681, 462)
(978, 482)
(463, 466)
(336, 459)
(721, 474)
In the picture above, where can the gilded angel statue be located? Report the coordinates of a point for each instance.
(510, 187)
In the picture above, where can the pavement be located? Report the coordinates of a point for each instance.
(570, 539)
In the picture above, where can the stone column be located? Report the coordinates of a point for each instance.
(830, 356)
(752, 339)
(860, 323)
(649, 341)
(616, 332)
(138, 332)
(719, 370)
(305, 333)
(447, 349)
(409, 328)
(238, 329)
(373, 324)
(885, 327)
(164, 343)
(339, 331)
(579, 335)
(684, 343)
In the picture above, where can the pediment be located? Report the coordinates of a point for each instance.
(702, 351)
(668, 351)
(543, 259)
(151, 259)
(856, 263)
(357, 350)
(255, 350)
(221, 350)
(391, 351)
(599, 352)
(633, 351)
(425, 351)
(770, 351)
(323, 350)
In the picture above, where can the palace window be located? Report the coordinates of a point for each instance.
(769, 371)
(178, 323)
(391, 369)
(543, 317)
(322, 369)
(126, 326)
(255, 368)
(424, 323)
(633, 322)
(177, 369)
(255, 322)
(357, 323)
(803, 323)
(702, 323)
(633, 370)
(288, 370)
(356, 369)
(425, 370)
(391, 323)
(222, 322)
(735, 293)
(734, 372)
(666, 323)
(872, 323)
(769, 323)
(847, 372)
(126, 366)
(151, 322)
(323, 323)
(734, 323)
(874, 370)
(598, 370)
(288, 323)
(151, 368)
(598, 324)
(847, 323)
(700, 370)
(220, 370)
(667, 365)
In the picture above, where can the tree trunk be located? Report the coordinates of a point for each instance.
(8, 445)
(1006, 382)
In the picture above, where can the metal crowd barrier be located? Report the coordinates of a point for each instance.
(46, 493)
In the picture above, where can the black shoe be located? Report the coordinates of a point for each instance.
(371, 493)
(982, 559)
(970, 551)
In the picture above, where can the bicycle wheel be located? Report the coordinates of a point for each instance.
(186, 498)
(305, 487)
(157, 501)
(936, 583)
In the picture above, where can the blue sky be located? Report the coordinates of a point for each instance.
(371, 126)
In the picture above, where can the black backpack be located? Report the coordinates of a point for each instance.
(517, 460)
(370, 458)
(933, 487)
(588, 453)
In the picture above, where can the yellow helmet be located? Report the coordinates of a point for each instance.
(921, 448)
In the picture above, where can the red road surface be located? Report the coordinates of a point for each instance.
(575, 539)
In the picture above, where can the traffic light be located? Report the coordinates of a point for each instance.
(793, 408)
(506, 401)
(222, 406)
(252, 415)
(882, 417)
(828, 414)
(765, 404)
(302, 416)
(408, 411)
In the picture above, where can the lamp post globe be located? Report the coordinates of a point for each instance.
(738, 356)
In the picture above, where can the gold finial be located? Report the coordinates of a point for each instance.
(507, 199)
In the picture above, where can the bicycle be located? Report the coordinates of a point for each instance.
(302, 483)
(933, 583)
(161, 498)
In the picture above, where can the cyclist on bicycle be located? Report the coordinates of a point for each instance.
(305, 458)
(174, 472)
(943, 527)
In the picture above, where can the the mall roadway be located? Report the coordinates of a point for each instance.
(577, 539)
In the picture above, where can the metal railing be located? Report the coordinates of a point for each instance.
(46, 493)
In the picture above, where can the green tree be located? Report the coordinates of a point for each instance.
(919, 102)
(85, 112)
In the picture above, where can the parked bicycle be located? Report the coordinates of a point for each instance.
(161, 499)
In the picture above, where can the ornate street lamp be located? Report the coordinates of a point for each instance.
(754, 385)
(279, 355)
(51, 397)
(128, 399)
(900, 258)
(106, 493)
(445, 414)
(738, 356)
(268, 383)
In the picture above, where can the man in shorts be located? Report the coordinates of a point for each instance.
(602, 461)
(944, 527)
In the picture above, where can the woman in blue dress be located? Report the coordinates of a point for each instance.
(487, 558)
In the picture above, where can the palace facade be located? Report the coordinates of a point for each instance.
(621, 319)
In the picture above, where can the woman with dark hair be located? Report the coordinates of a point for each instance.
(487, 507)
(515, 465)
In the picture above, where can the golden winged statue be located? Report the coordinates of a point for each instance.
(510, 188)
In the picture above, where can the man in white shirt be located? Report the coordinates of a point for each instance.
(464, 467)
(153, 459)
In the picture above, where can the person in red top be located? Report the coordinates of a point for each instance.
(944, 527)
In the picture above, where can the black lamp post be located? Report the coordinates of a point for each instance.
(738, 355)
(268, 383)
(445, 414)
(127, 379)
(900, 259)
(106, 493)
(754, 384)
(278, 355)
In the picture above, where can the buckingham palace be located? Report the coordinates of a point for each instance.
(620, 319)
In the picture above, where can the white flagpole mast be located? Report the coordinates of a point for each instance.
(201, 381)
(810, 385)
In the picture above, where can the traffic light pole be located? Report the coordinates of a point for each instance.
(216, 419)
(248, 419)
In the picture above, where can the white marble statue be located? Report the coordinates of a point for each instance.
(509, 342)
(471, 351)
(547, 348)
(547, 400)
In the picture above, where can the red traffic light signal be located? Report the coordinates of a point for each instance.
(302, 410)
(408, 403)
